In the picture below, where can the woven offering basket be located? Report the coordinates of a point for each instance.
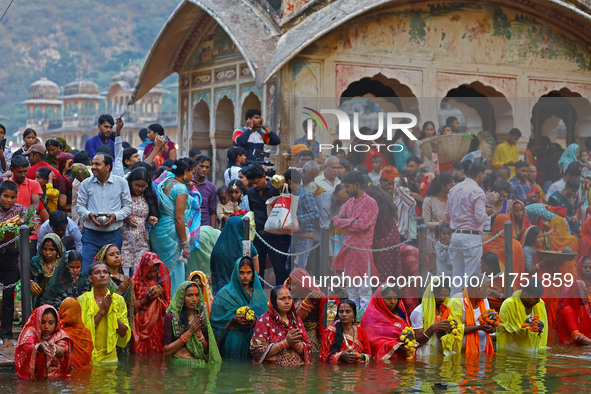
(450, 148)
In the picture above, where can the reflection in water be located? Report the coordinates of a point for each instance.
(507, 371)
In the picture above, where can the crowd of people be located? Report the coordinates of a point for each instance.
(136, 250)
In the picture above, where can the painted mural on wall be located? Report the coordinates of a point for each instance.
(459, 31)
(216, 47)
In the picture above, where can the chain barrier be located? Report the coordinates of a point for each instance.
(8, 286)
(5, 244)
(479, 245)
(371, 250)
(265, 282)
(282, 252)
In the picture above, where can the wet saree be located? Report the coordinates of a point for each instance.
(269, 330)
(30, 364)
(148, 319)
(359, 343)
(383, 328)
(560, 239)
(174, 328)
(71, 316)
(164, 237)
(233, 340)
(311, 315)
(510, 333)
(574, 314)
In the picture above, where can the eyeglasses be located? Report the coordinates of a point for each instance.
(140, 187)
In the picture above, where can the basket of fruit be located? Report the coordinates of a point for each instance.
(10, 228)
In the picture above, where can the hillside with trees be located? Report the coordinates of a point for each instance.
(59, 38)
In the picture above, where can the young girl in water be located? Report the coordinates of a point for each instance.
(44, 349)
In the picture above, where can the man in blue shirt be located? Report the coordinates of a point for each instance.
(520, 185)
(105, 127)
(67, 229)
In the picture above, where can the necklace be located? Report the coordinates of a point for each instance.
(350, 347)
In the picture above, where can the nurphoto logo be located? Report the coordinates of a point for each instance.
(393, 121)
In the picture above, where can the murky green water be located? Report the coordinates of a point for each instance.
(561, 369)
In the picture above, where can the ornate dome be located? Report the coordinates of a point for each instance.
(80, 86)
(43, 89)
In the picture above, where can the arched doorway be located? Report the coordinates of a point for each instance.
(562, 115)
(200, 134)
(479, 108)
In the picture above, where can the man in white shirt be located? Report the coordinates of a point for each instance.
(572, 171)
(236, 157)
(107, 194)
(329, 179)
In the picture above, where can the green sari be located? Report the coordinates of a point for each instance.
(234, 342)
(39, 272)
(193, 345)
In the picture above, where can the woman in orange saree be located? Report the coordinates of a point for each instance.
(497, 246)
(383, 322)
(560, 239)
(151, 286)
(71, 317)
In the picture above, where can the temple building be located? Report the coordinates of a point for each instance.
(43, 104)
(73, 114)
(493, 62)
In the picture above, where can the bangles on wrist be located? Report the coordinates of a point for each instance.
(282, 345)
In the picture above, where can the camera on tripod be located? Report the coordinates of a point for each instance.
(261, 159)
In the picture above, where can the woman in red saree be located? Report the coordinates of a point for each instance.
(309, 302)
(71, 316)
(585, 242)
(151, 286)
(519, 221)
(574, 315)
(279, 335)
(44, 349)
(345, 342)
(383, 322)
(584, 270)
(497, 246)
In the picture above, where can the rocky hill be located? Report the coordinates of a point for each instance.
(60, 38)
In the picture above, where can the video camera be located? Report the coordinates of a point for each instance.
(261, 159)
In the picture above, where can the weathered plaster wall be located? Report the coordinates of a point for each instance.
(431, 48)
